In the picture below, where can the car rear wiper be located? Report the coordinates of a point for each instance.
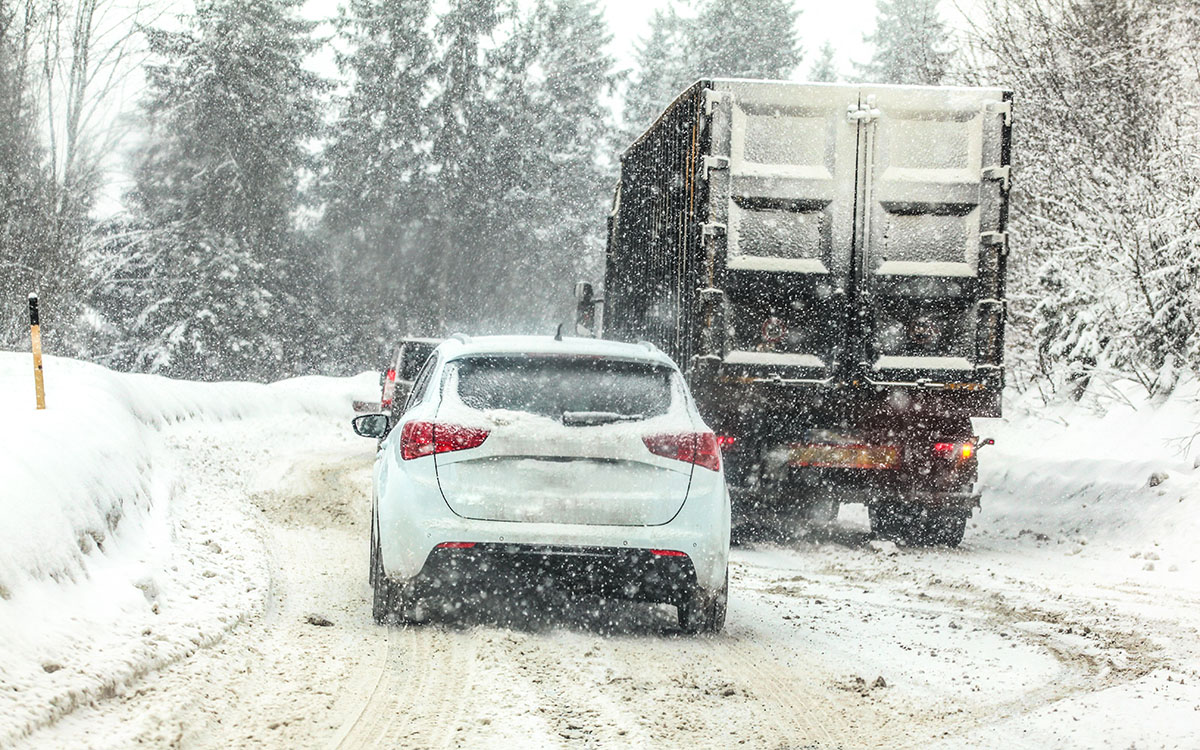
(585, 418)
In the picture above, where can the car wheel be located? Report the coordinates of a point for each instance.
(704, 611)
(383, 592)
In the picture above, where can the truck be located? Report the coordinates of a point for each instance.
(826, 262)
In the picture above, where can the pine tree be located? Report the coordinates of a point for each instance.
(559, 207)
(228, 292)
(35, 254)
(660, 73)
(745, 39)
(912, 44)
(464, 186)
(823, 69)
(373, 168)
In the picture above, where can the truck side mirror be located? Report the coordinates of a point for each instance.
(585, 309)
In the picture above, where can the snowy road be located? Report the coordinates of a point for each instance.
(1026, 637)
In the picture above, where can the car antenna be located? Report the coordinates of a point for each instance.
(558, 334)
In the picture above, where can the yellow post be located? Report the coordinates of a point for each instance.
(35, 332)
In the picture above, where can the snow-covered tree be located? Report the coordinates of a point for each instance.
(660, 71)
(225, 290)
(911, 44)
(28, 257)
(1106, 207)
(745, 39)
(559, 197)
(824, 69)
(373, 169)
(463, 186)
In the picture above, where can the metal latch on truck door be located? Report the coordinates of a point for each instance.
(1004, 174)
(996, 238)
(1000, 108)
(715, 162)
(712, 98)
(859, 112)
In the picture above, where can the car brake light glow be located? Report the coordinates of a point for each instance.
(418, 439)
(699, 448)
(667, 553)
(725, 442)
(456, 545)
(389, 388)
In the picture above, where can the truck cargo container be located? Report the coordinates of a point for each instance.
(826, 262)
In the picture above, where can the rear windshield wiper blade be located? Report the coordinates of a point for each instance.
(585, 418)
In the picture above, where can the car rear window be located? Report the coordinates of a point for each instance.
(552, 386)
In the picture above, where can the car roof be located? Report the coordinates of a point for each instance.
(462, 346)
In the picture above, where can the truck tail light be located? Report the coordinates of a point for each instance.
(419, 439)
(699, 448)
(960, 451)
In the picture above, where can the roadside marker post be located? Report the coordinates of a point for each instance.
(35, 333)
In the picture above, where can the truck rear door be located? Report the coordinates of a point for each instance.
(864, 229)
(784, 197)
(932, 187)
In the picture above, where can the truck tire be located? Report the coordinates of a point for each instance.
(704, 612)
(945, 527)
(888, 521)
(820, 512)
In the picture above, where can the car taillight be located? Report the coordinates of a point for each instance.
(961, 451)
(389, 387)
(456, 545)
(419, 439)
(667, 553)
(699, 448)
(725, 442)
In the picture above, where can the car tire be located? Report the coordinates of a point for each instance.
(704, 611)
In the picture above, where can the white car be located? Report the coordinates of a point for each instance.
(581, 459)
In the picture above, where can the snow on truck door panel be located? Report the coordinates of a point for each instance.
(565, 441)
(864, 224)
(787, 201)
(932, 192)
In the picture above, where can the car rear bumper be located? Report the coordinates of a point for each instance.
(414, 519)
(616, 572)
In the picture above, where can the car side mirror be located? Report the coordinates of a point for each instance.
(372, 426)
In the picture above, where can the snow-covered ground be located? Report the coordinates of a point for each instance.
(167, 547)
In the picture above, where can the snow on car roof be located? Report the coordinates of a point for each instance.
(456, 348)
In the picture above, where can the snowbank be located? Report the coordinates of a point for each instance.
(74, 473)
(1116, 467)
(129, 539)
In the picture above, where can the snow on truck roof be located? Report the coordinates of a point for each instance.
(456, 348)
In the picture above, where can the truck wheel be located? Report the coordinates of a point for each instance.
(887, 522)
(819, 513)
(704, 612)
(945, 527)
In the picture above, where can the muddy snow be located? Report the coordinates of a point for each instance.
(1047, 628)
